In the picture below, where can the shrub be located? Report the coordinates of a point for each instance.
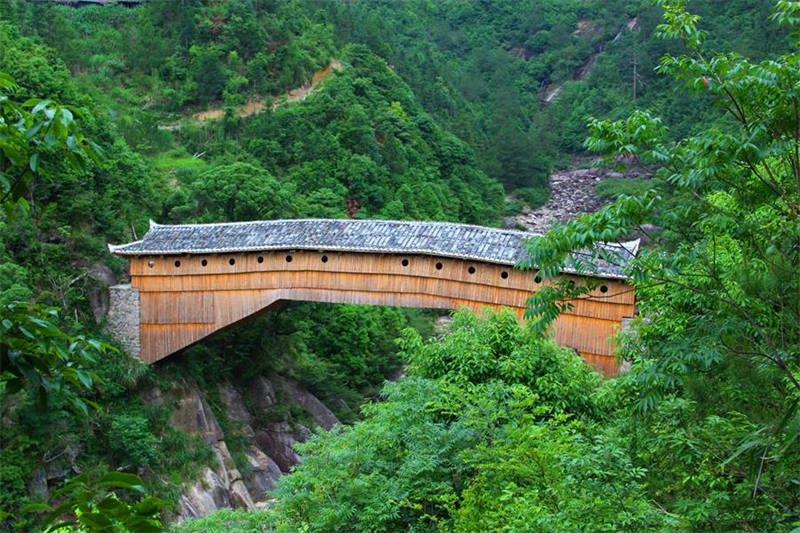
(131, 441)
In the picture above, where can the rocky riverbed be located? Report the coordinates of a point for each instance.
(572, 191)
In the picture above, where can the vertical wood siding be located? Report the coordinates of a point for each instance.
(184, 299)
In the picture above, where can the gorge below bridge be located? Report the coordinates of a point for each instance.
(190, 281)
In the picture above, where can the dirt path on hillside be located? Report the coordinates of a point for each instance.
(256, 105)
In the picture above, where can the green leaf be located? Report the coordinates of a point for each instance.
(35, 508)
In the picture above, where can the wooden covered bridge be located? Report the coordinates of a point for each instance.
(190, 281)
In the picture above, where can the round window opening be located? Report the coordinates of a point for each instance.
(471, 270)
(504, 275)
(231, 261)
(204, 262)
(289, 258)
(404, 262)
(604, 288)
(260, 259)
(538, 279)
(438, 266)
(324, 258)
(151, 264)
(177, 264)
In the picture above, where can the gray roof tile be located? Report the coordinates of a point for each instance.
(443, 239)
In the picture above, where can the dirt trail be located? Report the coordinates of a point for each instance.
(256, 105)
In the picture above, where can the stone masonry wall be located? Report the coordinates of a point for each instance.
(123, 317)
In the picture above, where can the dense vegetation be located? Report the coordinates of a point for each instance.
(433, 111)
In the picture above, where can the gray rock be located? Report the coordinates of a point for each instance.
(572, 192)
(293, 392)
(203, 497)
(261, 393)
(261, 475)
(222, 485)
(194, 416)
(240, 496)
(37, 485)
(277, 441)
(98, 293)
(152, 396)
(236, 411)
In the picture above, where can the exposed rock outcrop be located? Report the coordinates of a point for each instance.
(295, 393)
(98, 292)
(262, 473)
(249, 413)
(277, 440)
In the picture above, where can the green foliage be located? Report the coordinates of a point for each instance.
(532, 196)
(16, 466)
(556, 476)
(481, 351)
(716, 366)
(97, 506)
(37, 356)
(34, 133)
(468, 442)
(494, 428)
(227, 521)
(132, 442)
(239, 191)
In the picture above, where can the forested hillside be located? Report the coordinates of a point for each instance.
(206, 111)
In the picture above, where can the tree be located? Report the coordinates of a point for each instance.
(36, 356)
(34, 352)
(34, 133)
(240, 191)
(491, 429)
(721, 287)
(207, 72)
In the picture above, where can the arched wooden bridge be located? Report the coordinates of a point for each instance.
(190, 281)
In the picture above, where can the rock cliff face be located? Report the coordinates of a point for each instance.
(248, 413)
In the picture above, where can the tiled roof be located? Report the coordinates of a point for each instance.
(443, 239)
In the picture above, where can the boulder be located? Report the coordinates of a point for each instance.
(236, 411)
(37, 485)
(234, 407)
(221, 485)
(203, 497)
(98, 293)
(152, 396)
(240, 496)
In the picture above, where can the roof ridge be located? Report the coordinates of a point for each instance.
(155, 225)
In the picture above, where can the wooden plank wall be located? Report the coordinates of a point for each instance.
(186, 298)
